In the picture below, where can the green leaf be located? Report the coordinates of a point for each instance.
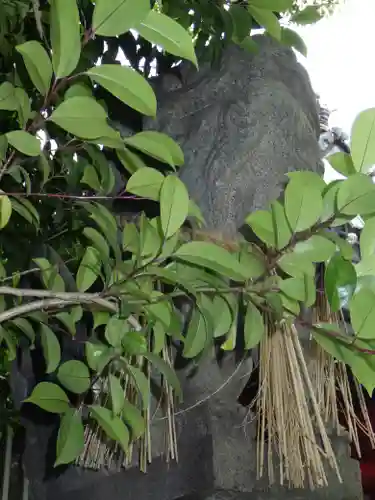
(223, 314)
(274, 5)
(96, 355)
(90, 177)
(366, 266)
(50, 277)
(342, 163)
(89, 269)
(134, 343)
(342, 245)
(24, 142)
(5, 210)
(281, 227)
(26, 327)
(261, 222)
(141, 382)
(51, 348)
(356, 195)
(367, 238)
(146, 182)
(3, 147)
(8, 101)
(362, 313)
(316, 248)
(340, 282)
(117, 394)
(38, 64)
(253, 261)
(308, 178)
(267, 19)
(115, 330)
(241, 20)
(130, 160)
(174, 205)
(292, 39)
(196, 336)
(113, 426)
(309, 15)
(213, 257)
(254, 326)
(83, 117)
(127, 85)
(362, 141)
(24, 106)
(296, 265)
(294, 288)
(65, 36)
(167, 371)
(49, 397)
(70, 439)
(157, 145)
(115, 17)
(303, 204)
(74, 376)
(134, 419)
(98, 241)
(161, 30)
(78, 90)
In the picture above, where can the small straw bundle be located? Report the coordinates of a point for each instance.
(101, 452)
(332, 385)
(290, 428)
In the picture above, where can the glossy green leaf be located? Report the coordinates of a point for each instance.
(281, 227)
(140, 381)
(196, 336)
(91, 178)
(174, 205)
(134, 419)
(38, 64)
(267, 19)
(26, 328)
(50, 277)
(213, 257)
(296, 265)
(112, 425)
(131, 161)
(97, 240)
(70, 439)
(254, 326)
(274, 5)
(342, 245)
(65, 36)
(74, 376)
(117, 394)
(78, 90)
(127, 85)
(115, 17)
(253, 261)
(24, 142)
(97, 355)
(89, 269)
(309, 15)
(340, 282)
(362, 141)
(115, 330)
(342, 163)
(294, 288)
(157, 145)
(261, 222)
(49, 397)
(8, 100)
(222, 314)
(5, 210)
(367, 238)
(51, 348)
(303, 204)
(316, 248)
(356, 195)
(292, 39)
(24, 106)
(166, 371)
(162, 30)
(241, 20)
(83, 117)
(146, 182)
(362, 313)
(308, 178)
(134, 343)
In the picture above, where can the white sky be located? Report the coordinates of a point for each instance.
(340, 60)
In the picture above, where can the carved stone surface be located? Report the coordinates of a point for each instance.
(242, 128)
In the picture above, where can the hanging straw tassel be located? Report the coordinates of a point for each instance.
(332, 385)
(290, 427)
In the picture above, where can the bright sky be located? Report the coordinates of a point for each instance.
(340, 60)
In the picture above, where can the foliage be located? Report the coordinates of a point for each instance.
(68, 262)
